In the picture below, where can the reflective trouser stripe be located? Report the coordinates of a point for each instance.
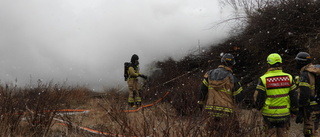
(130, 100)
(138, 99)
(219, 114)
(217, 108)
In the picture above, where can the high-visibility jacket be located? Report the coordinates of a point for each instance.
(275, 93)
(219, 90)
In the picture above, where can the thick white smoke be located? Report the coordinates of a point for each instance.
(86, 42)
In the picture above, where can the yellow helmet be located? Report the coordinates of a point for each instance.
(274, 58)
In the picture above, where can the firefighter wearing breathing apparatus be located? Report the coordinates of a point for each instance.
(308, 82)
(134, 98)
(276, 97)
(219, 93)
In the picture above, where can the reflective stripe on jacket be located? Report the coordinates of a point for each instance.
(307, 84)
(220, 89)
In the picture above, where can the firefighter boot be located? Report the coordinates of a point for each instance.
(308, 133)
(138, 101)
(131, 104)
(138, 104)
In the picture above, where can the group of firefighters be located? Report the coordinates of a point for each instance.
(278, 95)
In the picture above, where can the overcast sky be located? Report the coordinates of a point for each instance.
(86, 42)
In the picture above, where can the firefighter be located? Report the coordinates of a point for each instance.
(219, 93)
(276, 97)
(134, 98)
(309, 96)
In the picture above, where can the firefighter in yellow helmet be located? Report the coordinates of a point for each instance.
(134, 98)
(219, 93)
(308, 87)
(276, 98)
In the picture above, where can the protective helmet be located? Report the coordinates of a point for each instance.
(228, 59)
(303, 58)
(134, 58)
(274, 58)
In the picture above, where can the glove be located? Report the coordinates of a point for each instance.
(143, 76)
(297, 80)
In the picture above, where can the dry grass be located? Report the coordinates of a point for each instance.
(30, 111)
(24, 113)
(163, 120)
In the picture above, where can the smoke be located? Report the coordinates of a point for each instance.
(86, 42)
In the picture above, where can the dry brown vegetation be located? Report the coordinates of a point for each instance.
(282, 26)
(26, 113)
(31, 112)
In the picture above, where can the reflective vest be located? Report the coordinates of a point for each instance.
(277, 85)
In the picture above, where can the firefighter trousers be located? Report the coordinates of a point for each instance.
(222, 124)
(311, 123)
(276, 126)
(134, 92)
